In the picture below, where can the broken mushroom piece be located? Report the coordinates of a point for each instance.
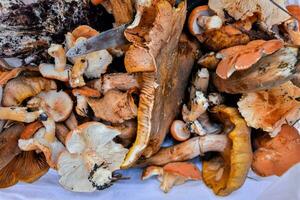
(120, 81)
(90, 158)
(270, 71)
(179, 131)
(202, 19)
(270, 109)
(21, 88)
(81, 94)
(28, 166)
(173, 174)
(275, 156)
(115, 106)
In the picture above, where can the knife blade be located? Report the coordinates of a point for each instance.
(108, 39)
(113, 37)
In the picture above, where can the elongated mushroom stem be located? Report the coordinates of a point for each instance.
(188, 150)
(77, 72)
(19, 114)
(58, 53)
(49, 125)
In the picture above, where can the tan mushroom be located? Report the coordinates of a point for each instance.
(115, 106)
(120, 81)
(21, 88)
(90, 158)
(19, 114)
(179, 131)
(173, 174)
(270, 109)
(71, 122)
(275, 156)
(81, 95)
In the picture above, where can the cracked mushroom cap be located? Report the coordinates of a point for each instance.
(90, 158)
(228, 171)
(58, 105)
(21, 88)
(28, 166)
(270, 109)
(276, 155)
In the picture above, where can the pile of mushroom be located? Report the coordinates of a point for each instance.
(234, 78)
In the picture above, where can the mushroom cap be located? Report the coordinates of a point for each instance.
(194, 27)
(59, 104)
(5, 75)
(270, 109)
(86, 91)
(21, 88)
(84, 31)
(179, 131)
(90, 158)
(49, 71)
(115, 106)
(276, 155)
(243, 57)
(31, 129)
(295, 10)
(9, 143)
(185, 169)
(228, 171)
(27, 167)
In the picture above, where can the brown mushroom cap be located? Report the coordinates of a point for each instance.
(27, 167)
(276, 155)
(185, 169)
(193, 18)
(227, 172)
(86, 91)
(115, 106)
(21, 88)
(9, 143)
(295, 10)
(31, 129)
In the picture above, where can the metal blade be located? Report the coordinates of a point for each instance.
(108, 39)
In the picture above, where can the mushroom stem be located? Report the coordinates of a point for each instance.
(58, 53)
(71, 122)
(49, 125)
(213, 143)
(77, 72)
(19, 114)
(82, 105)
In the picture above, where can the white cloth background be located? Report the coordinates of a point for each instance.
(286, 187)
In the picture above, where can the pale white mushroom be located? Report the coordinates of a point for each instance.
(90, 158)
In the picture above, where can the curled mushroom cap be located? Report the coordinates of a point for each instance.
(90, 158)
(275, 156)
(244, 56)
(20, 88)
(227, 172)
(173, 174)
(115, 106)
(201, 19)
(28, 166)
(278, 68)
(270, 109)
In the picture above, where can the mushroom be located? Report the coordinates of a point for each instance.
(81, 94)
(162, 90)
(173, 174)
(209, 61)
(71, 122)
(90, 158)
(200, 82)
(76, 78)
(226, 172)
(270, 71)
(120, 81)
(59, 71)
(19, 114)
(122, 11)
(6, 75)
(179, 131)
(28, 166)
(57, 106)
(268, 13)
(21, 88)
(275, 156)
(61, 132)
(115, 106)
(202, 19)
(270, 109)
(242, 57)
(9, 144)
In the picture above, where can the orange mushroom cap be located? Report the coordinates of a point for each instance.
(86, 91)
